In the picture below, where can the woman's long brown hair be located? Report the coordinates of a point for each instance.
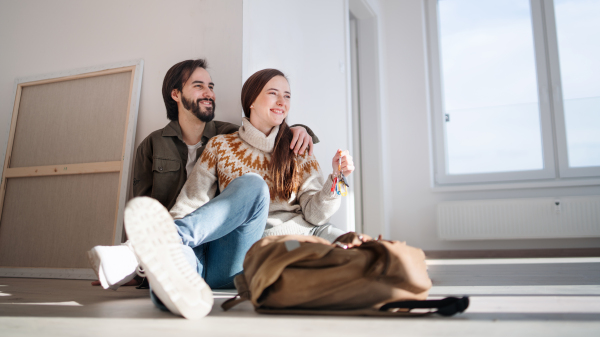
(283, 168)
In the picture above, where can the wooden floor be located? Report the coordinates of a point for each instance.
(509, 297)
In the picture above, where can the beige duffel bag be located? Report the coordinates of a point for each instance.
(354, 276)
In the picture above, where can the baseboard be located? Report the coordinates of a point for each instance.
(60, 273)
(527, 253)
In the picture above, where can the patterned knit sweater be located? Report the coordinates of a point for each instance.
(227, 157)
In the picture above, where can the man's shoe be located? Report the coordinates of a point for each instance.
(157, 244)
(114, 265)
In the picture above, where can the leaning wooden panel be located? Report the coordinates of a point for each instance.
(50, 222)
(77, 125)
(72, 122)
(59, 170)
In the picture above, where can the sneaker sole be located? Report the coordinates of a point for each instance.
(156, 242)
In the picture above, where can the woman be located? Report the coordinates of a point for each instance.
(259, 181)
(301, 199)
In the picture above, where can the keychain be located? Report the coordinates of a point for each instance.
(340, 184)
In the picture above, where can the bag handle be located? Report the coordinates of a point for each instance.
(446, 307)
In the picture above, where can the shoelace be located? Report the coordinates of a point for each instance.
(140, 271)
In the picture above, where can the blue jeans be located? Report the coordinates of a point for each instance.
(217, 235)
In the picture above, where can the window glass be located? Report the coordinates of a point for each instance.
(489, 86)
(578, 32)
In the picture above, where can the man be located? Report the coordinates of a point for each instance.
(165, 159)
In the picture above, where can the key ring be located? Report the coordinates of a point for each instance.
(340, 184)
(342, 189)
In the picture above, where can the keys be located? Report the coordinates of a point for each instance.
(340, 184)
(342, 177)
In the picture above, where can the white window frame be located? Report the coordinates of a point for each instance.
(557, 98)
(552, 123)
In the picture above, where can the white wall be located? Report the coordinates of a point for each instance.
(38, 37)
(411, 215)
(306, 40)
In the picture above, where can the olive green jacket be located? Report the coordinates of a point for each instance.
(160, 160)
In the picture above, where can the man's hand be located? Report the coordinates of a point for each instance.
(301, 140)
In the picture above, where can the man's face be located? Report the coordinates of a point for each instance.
(198, 96)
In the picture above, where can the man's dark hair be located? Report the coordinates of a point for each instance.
(174, 79)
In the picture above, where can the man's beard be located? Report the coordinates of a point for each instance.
(205, 114)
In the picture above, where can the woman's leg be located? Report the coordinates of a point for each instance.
(327, 232)
(229, 224)
(225, 256)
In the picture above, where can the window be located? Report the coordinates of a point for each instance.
(515, 89)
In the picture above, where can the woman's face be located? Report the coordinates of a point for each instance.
(272, 105)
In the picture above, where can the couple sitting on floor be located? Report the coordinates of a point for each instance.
(265, 189)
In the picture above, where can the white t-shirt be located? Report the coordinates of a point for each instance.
(191, 157)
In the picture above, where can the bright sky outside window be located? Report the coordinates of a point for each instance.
(489, 86)
(578, 32)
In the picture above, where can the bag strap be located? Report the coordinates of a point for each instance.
(243, 293)
(446, 307)
(232, 302)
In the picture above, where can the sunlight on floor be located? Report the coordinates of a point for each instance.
(67, 304)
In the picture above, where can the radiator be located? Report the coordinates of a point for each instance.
(536, 218)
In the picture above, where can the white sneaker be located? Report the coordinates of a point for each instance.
(157, 244)
(114, 265)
